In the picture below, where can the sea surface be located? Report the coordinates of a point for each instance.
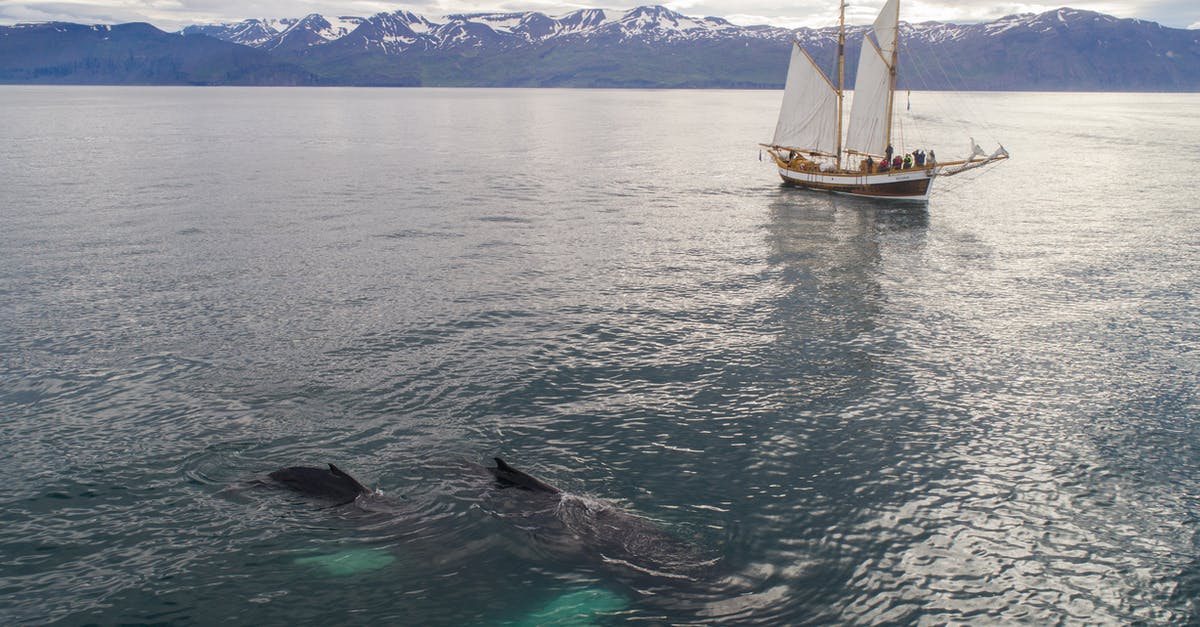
(983, 410)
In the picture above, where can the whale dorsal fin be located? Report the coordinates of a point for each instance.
(509, 475)
(338, 472)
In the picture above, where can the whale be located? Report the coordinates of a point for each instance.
(327, 484)
(624, 556)
(572, 526)
(621, 557)
(580, 525)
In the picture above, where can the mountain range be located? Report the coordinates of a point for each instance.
(650, 46)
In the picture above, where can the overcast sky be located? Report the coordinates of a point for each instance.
(173, 14)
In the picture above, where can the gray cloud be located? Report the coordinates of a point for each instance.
(173, 14)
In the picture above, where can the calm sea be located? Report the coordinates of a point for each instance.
(984, 410)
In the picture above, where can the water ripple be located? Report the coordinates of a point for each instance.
(982, 411)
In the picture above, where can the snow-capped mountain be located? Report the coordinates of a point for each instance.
(313, 30)
(253, 33)
(651, 46)
(281, 34)
(401, 31)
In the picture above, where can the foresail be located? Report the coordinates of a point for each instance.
(808, 117)
(971, 163)
(868, 127)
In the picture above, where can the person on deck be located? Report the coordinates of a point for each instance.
(932, 158)
(919, 157)
(870, 164)
(908, 161)
(897, 162)
(888, 153)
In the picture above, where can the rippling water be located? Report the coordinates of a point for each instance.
(985, 410)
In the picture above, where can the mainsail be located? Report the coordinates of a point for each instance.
(870, 114)
(868, 128)
(808, 119)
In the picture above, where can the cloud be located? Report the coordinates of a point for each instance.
(103, 13)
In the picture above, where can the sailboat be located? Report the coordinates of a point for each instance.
(809, 149)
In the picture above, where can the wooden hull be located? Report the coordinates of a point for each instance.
(913, 185)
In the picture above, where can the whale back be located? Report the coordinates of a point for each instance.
(332, 484)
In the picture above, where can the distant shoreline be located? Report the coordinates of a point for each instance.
(571, 88)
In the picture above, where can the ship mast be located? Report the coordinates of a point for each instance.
(841, 89)
(892, 72)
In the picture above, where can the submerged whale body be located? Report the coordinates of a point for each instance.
(330, 484)
(580, 524)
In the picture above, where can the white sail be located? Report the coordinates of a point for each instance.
(868, 127)
(886, 26)
(808, 117)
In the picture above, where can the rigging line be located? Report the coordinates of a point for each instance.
(914, 132)
(925, 75)
(968, 106)
(901, 114)
(919, 73)
(947, 88)
(958, 184)
(915, 127)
